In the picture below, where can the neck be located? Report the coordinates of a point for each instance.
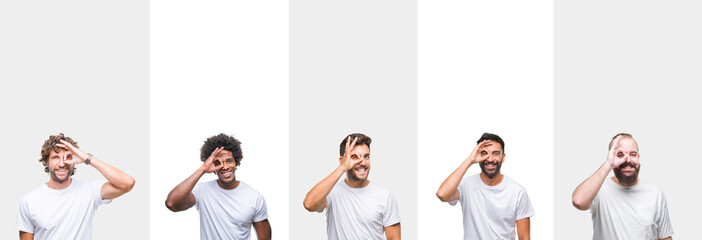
(231, 185)
(356, 184)
(56, 185)
(497, 179)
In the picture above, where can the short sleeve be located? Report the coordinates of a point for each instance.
(524, 208)
(330, 198)
(665, 227)
(24, 221)
(391, 215)
(196, 191)
(460, 193)
(261, 209)
(97, 193)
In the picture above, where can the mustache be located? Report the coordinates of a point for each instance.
(627, 165)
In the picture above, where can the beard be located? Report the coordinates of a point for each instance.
(56, 178)
(493, 174)
(352, 175)
(626, 180)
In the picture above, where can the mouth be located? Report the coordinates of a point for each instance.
(491, 166)
(628, 170)
(61, 171)
(361, 171)
(227, 173)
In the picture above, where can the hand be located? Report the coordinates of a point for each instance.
(73, 155)
(474, 156)
(213, 162)
(613, 157)
(347, 161)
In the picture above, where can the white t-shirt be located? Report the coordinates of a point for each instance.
(228, 213)
(61, 214)
(491, 212)
(360, 213)
(635, 212)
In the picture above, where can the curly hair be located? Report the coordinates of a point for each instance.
(50, 145)
(222, 140)
(362, 140)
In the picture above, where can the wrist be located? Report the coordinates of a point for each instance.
(88, 158)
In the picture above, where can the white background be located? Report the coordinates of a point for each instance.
(485, 66)
(218, 67)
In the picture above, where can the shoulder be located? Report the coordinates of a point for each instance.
(510, 183)
(246, 188)
(470, 181)
(37, 192)
(651, 188)
(207, 186)
(379, 191)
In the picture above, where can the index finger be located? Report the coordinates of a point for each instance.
(616, 142)
(485, 143)
(353, 144)
(216, 152)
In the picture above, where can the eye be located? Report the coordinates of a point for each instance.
(354, 156)
(633, 154)
(230, 161)
(483, 153)
(366, 156)
(620, 155)
(496, 154)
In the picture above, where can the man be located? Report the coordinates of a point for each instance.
(356, 207)
(623, 207)
(228, 207)
(492, 203)
(63, 208)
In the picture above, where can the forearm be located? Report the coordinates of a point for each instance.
(586, 191)
(449, 187)
(263, 230)
(393, 232)
(26, 236)
(316, 198)
(524, 229)
(177, 198)
(114, 176)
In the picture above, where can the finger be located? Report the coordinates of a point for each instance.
(66, 145)
(62, 146)
(616, 142)
(214, 154)
(357, 161)
(66, 160)
(353, 144)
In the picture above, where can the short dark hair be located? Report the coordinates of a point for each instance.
(611, 142)
(229, 143)
(362, 140)
(492, 137)
(50, 145)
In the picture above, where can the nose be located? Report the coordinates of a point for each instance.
(61, 161)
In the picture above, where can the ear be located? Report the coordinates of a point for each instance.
(341, 159)
(504, 157)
